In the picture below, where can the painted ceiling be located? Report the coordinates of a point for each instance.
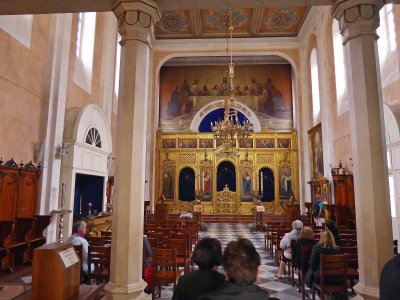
(247, 22)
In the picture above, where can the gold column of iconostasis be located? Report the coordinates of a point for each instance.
(193, 167)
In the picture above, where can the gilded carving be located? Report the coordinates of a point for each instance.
(226, 202)
(187, 158)
(267, 158)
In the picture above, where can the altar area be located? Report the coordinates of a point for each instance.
(195, 168)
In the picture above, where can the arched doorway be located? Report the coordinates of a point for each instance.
(87, 133)
(392, 137)
(226, 176)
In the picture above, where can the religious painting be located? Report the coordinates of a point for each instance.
(187, 143)
(226, 176)
(206, 143)
(169, 143)
(264, 91)
(285, 183)
(205, 183)
(283, 143)
(168, 180)
(325, 192)
(246, 185)
(245, 143)
(316, 151)
(266, 185)
(187, 190)
(265, 143)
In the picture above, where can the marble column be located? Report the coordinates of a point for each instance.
(136, 19)
(358, 21)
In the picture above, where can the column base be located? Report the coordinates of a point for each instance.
(366, 293)
(125, 292)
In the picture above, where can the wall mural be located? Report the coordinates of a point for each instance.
(265, 89)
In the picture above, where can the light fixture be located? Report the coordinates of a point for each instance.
(230, 128)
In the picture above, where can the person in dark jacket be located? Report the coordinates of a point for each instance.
(306, 239)
(331, 225)
(240, 262)
(326, 245)
(390, 279)
(207, 255)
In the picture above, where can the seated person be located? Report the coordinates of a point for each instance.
(326, 245)
(306, 239)
(240, 262)
(78, 238)
(390, 279)
(331, 225)
(147, 268)
(207, 256)
(285, 243)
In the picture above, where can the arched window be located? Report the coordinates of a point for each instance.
(93, 138)
(84, 50)
(316, 106)
(340, 70)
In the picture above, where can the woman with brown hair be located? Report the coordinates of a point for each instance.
(326, 245)
(306, 239)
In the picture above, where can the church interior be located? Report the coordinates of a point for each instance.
(123, 113)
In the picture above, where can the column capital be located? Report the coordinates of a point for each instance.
(136, 19)
(357, 17)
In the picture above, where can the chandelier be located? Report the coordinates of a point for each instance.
(230, 128)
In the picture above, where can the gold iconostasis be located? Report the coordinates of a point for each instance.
(194, 167)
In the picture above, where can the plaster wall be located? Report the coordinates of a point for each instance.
(23, 97)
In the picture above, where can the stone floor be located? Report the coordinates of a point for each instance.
(278, 288)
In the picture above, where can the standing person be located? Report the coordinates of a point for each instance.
(326, 245)
(318, 211)
(285, 244)
(240, 262)
(78, 238)
(207, 256)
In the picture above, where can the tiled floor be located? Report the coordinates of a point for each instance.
(278, 288)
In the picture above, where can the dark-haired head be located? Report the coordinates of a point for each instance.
(207, 253)
(241, 261)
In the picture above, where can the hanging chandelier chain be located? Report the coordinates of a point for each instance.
(230, 128)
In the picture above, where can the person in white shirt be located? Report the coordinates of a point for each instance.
(78, 238)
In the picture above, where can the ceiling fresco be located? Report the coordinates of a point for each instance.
(247, 22)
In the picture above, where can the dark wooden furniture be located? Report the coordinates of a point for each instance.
(52, 278)
(162, 211)
(20, 228)
(343, 189)
(99, 258)
(332, 267)
(305, 255)
(165, 268)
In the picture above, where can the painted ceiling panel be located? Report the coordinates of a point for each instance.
(218, 21)
(247, 22)
(282, 21)
(174, 24)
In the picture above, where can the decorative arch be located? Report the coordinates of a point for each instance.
(187, 184)
(266, 184)
(226, 175)
(85, 161)
(392, 136)
(205, 110)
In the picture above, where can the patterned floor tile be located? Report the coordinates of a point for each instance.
(278, 288)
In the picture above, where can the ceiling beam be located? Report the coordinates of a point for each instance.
(13, 7)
